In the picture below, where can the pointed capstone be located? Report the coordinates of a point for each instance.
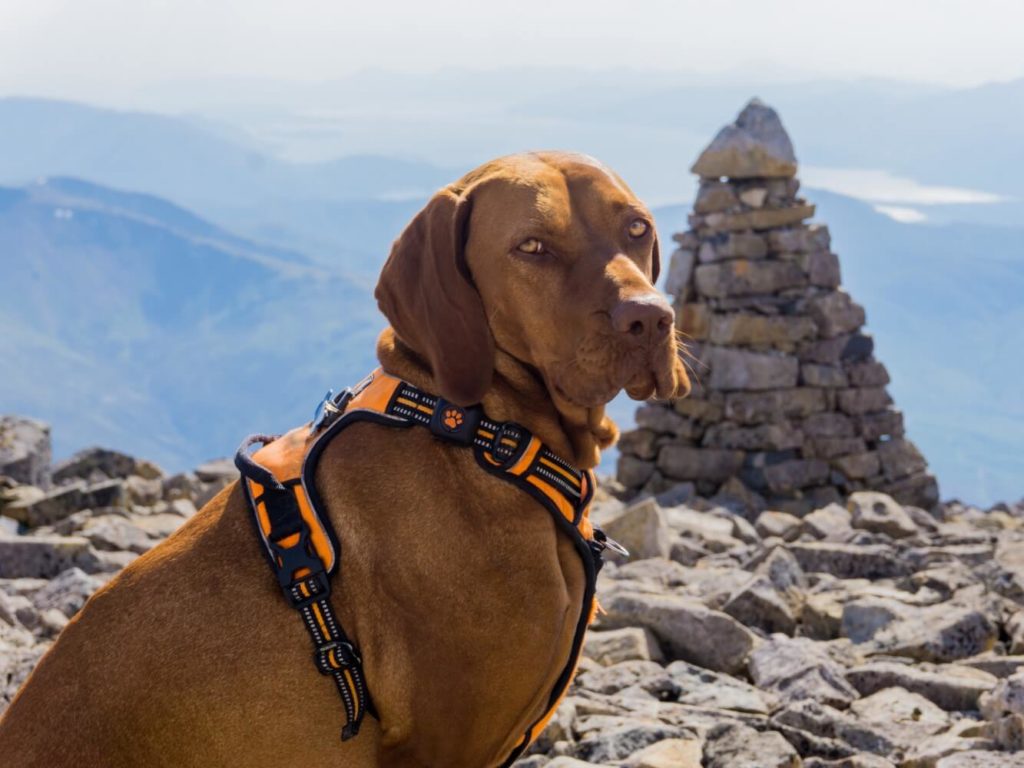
(755, 146)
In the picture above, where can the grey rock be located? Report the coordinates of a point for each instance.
(618, 645)
(641, 529)
(904, 718)
(863, 400)
(879, 513)
(668, 753)
(874, 426)
(736, 369)
(848, 561)
(685, 463)
(836, 313)
(92, 464)
(849, 347)
(633, 472)
(816, 375)
(221, 471)
(111, 532)
(686, 629)
(754, 146)
(620, 743)
(714, 196)
(749, 329)
(866, 616)
(780, 524)
(939, 633)
(758, 604)
(680, 271)
(787, 476)
(980, 759)
(951, 687)
(822, 268)
(867, 373)
(831, 523)
(775, 405)
(798, 669)
(745, 277)
(900, 458)
(44, 556)
(738, 746)
(67, 593)
(699, 687)
(1005, 698)
(25, 450)
(760, 437)
(72, 498)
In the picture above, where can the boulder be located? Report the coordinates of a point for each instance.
(618, 645)
(44, 556)
(879, 513)
(66, 593)
(668, 753)
(686, 629)
(641, 529)
(950, 686)
(758, 604)
(25, 450)
(738, 746)
(617, 744)
(939, 633)
(798, 669)
(682, 462)
(849, 561)
(754, 146)
(68, 499)
(746, 277)
(97, 464)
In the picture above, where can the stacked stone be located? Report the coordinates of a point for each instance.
(789, 407)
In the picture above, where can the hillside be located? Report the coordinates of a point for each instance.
(132, 323)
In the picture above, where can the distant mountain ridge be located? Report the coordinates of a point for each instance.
(160, 333)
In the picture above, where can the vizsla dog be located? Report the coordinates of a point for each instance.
(526, 286)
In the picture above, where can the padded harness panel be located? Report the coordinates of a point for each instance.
(301, 546)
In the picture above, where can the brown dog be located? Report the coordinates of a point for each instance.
(527, 286)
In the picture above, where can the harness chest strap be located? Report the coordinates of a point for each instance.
(304, 552)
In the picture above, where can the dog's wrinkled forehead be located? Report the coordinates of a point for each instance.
(553, 188)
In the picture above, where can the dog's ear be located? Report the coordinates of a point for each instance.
(426, 292)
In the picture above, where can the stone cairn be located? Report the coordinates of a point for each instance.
(789, 408)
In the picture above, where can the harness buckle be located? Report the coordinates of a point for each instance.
(344, 654)
(292, 560)
(454, 423)
(509, 430)
(329, 409)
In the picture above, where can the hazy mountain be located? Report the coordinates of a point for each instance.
(186, 160)
(131, 323)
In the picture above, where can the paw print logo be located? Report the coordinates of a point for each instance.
(452, 419)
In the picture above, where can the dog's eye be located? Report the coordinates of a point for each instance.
(638, 228)
(533, 245)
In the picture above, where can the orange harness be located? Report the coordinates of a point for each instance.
(303, 550)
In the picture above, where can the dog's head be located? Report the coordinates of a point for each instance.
(549, 257)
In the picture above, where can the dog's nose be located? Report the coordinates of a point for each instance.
(647, 316)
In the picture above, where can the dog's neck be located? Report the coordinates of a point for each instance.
(517, 394)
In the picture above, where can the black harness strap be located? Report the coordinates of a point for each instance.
(306, 585)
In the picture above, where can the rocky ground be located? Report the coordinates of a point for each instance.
(864, 634)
